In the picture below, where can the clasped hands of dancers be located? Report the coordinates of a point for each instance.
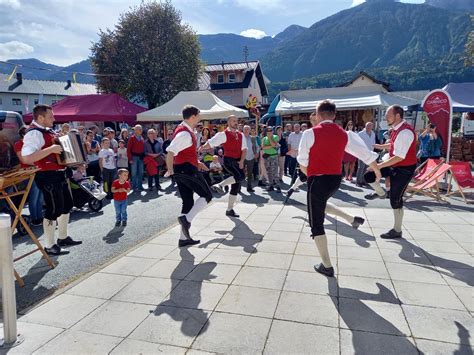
(320, 157)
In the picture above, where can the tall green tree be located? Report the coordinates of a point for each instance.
(151, 55)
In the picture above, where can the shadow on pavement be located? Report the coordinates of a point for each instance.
(193, 321)
(361, 319)
(413, 254)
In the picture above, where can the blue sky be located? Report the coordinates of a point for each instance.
(61, 31)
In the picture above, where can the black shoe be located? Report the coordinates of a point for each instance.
(117, 224)
(231, 213)
(357, 222)
(391, 234)
(270, 188)
(68, 241)
(250, 190)
(186, 242)
(150, 188)
(56, 250)
(278, 188)
(124, 223)
(218, 188)
(185, 225)
(261, 183)
(281, 180)
(158, 188)
(328, 271)
(373, 196)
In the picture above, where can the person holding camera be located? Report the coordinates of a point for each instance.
(430, 144)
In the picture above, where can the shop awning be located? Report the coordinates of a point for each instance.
(98, 108)
(210, 105)
(462, 96)
(345, 98)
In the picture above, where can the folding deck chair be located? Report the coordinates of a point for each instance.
(428, 182)
(462, 176)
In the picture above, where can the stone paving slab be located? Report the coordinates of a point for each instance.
(250, 287)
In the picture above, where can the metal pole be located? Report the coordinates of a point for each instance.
(11, 337)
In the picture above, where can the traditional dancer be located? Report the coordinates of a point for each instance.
(182, 163)
(235, 151)
(40, 149)
(320, 157)
(354, 221)
(400, 167)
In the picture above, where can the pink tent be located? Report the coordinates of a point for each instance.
(109, 107)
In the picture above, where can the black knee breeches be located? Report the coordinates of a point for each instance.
(56, 192)
(190, 180)
(400, 177)
(320, 189)
(231, 166)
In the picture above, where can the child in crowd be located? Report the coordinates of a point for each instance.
(215, 169)
(79, 173)
(120, 189)
(107, 166)
(122, 159)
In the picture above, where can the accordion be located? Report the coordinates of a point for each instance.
(73, 153)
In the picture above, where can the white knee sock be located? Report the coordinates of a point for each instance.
(48, 231)
(63, 221)
(322, 245)
(333, 210)
(199, 204)
(297, 184)
(229, 181)
(231, 203)
(398, 214)
(378, 189)
(181, 235)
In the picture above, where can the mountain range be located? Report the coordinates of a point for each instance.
(412, 46)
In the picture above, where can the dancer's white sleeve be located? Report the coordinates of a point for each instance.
(356, 147)
(180, 142)
(218, 139)
(306, 143)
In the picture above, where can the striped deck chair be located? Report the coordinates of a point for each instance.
(462, 176)
(428, 184)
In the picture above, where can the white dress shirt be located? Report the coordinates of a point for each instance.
(355, 146)
(33, 141)
(181, 141)
(294, 140)
(403, 141)
(220, 138)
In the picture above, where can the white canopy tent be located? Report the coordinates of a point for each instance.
(210, 105)
(345, 98)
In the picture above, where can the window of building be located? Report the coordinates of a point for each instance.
(16, 102)
(231, 78)
(0, 100)
(36, 101)
(220, 78)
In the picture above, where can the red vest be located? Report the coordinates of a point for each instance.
(325, 156)
(410, 158)
(50, 162)
(233, 145)
(188, 155)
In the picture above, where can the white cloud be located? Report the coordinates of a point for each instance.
(253, 33)
(357, 2)
(14, 49)
(14, 4)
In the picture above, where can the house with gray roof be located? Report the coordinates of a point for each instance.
(20, 95)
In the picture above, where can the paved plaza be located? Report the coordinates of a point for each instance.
(250, 287)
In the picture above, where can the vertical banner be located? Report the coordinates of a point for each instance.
(439, 109)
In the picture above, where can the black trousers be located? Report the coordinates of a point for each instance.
(190, 180)
(56, 192)
(231, 165)
(399, 179)
(320, 189)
